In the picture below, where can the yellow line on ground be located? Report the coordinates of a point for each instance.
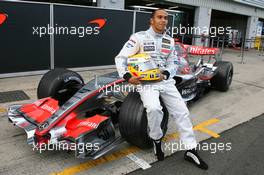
(124, 152)
(208, 122)
(170, 137)
(2, 109)
(209, 132)
(92, 163)
(201, 127)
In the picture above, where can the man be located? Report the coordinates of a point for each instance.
(160, 46)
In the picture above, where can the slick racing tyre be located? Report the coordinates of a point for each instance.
(223, 78)
(60, 84)
(133, 123)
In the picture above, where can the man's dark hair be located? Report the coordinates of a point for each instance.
(154, 12)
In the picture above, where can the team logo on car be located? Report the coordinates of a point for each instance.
(89, 124)
(48, 108)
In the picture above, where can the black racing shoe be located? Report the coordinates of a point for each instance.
(158, 150)
(193, 157)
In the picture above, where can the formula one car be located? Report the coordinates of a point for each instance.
(95, 117)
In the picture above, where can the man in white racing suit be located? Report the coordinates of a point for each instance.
(161, 48)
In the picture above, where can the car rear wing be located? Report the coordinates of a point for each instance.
(200, 50)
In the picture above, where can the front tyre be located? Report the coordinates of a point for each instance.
(60, 84)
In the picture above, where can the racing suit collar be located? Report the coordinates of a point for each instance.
(153, 33)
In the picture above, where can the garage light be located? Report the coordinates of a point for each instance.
(174, 7)
(151, 4)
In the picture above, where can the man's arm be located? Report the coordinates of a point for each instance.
(130, 48)
(170, 67)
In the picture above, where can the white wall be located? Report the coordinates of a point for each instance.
(251, 30)
(112, 4)
(202, 20)
(224, 5)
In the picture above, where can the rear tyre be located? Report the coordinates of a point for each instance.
(223, 78)
(133, 122)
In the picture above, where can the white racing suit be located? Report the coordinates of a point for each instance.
(161, 49)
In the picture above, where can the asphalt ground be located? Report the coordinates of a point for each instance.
(245, 157)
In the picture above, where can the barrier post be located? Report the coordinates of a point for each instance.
(242, 51)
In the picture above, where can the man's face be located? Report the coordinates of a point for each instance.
(159, 21)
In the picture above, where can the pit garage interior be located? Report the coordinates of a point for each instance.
(191, 15)
(235, 23)
(225, 19)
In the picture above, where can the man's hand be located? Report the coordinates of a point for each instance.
(164, 75)
(161, 77)
(134, 80)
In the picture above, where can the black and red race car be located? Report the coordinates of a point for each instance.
(95, 117)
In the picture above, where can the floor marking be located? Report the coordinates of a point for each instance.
(170, 137)
(132, 149)
(93, 163)
(201, 127)
(2, 109)
(140, 162)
